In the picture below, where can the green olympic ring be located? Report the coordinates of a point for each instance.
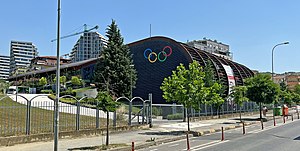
(157, 56)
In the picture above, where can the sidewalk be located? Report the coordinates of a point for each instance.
(160, 132)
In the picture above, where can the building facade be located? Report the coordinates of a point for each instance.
(213, 47)
(88, 46)
(155, 58)
(44, 62)
(4, 67)
(21, 54)
(292, 79)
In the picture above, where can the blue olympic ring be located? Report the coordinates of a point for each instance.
(157, 56)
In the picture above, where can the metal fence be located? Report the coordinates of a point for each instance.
(165, 111)
(24, 116)
(35, 115)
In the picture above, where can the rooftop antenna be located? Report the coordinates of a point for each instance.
(150, 30)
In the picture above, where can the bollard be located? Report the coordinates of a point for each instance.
(132, 146)
(187, 141)
(244, 130)
(292, 117)
(262, 124)
(222, 137)
(298, 114)
(274, 120)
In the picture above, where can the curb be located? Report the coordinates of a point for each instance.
(167, 140)
(148, 144)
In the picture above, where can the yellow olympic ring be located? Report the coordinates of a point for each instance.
(149, 57)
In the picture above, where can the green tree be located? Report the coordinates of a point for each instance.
(214, 97)
(238, 96)
(106, 103)
(63, 80)
(75, 81)
(209, 74)
(3, 86)
(216, 90)
(185, 86)
(283, 86)
(114, 65)
(261, 89)
(296, 97)
(43, 81)
(286, 97)
(297, 89)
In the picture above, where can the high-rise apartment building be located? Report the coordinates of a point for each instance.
(4, 67)
(21, 54)
(213, 47)
(88, 46)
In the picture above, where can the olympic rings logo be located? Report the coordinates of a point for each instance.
(153, 56)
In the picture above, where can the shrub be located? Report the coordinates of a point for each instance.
(176, 116)
(157, 111)
(47, 91)
(69, 91)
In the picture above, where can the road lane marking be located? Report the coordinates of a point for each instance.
(173, 145)
(153, 149)
(210, 145)
(173, 142)
(205, 144)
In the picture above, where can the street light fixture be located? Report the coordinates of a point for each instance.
(284, 43)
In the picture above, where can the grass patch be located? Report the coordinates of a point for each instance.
(101, 147)
(82, 89)
(13, 118)
(177, 116)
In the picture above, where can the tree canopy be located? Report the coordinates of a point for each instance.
(261, 89)
(43, 81)
(297, 89)
(114, 67)
(238, 95)
(75, 81)
(185, 86)
(105, 102)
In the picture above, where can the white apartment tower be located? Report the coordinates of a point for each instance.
(21, 54)
(4, 67)
(212, 46)
(88, 46)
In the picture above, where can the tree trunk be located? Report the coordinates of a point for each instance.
(260, 115)
(188, 120)
(107, 131)
(240, 113)
(184, 114)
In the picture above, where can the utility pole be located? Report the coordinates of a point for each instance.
(56, 110)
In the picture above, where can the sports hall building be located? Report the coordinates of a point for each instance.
(154, 59)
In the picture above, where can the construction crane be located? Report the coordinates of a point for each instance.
(84, 31)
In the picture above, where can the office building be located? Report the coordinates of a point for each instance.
(4, 67)
(88, 46)
(21, 54)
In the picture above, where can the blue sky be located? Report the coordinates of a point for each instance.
(250, 27)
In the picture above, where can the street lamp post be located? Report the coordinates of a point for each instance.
(56, 110)
(131, 66)
(283, 43)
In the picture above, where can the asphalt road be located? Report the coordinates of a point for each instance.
(282, 137)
